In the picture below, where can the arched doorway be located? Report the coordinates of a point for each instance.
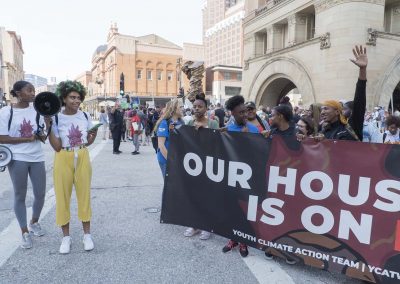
(277, 88)
(396, 99)
(388, 86)
(278, 77)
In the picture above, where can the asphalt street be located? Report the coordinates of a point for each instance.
(131, 246)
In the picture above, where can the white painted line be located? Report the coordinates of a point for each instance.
(10, 237)
(267, 271)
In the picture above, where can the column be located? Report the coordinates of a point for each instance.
(297, 28)
(274, 38)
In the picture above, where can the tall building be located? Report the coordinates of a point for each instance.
(35, 80)
(143, 67)
(11, 69)
(306, 45)
(222, 32)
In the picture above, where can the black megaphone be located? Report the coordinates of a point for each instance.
(47, 104)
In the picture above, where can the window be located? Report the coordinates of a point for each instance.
(149, 75)
(139, 74)
(227, 75)
(239, 76)
(232, 91)
(159, 75)
(169, 75)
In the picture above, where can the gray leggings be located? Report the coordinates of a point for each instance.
(19, 175)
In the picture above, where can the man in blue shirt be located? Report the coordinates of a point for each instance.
(239, 112)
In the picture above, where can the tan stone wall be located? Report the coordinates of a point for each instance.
(322, 74)
(158, 64)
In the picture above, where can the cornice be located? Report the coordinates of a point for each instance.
(322, 5)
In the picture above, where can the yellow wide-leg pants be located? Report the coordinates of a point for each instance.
(70, 171)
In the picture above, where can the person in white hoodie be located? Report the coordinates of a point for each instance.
(392, 133)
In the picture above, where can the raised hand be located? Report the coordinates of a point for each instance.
(361, 58)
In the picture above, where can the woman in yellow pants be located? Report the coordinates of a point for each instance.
(71, 134)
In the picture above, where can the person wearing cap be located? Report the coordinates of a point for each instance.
(254, 119)
(337, 126)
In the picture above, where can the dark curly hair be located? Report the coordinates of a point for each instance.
(234, 102)
(64, 88)
(309, 124)
(391, 119)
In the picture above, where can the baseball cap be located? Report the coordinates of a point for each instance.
(250, 105)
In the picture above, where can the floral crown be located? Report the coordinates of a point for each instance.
(65, 87)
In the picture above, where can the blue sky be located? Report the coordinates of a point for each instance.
(60, 36)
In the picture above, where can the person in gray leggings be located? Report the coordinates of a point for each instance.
(18, 127)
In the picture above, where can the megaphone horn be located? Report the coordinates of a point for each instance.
(47, 104)
(5, 157)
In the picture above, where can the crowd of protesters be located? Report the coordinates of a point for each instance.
(72, 131)
(337, 120)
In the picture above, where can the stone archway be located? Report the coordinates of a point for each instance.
(277, 77)
(388, 84)
(274, 89)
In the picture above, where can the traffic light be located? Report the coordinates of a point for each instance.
(181, 92)
(122, 84)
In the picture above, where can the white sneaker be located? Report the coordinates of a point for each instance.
(36, 229)
(65, 247)
(190, 232)
(88, 244)
(26, 241)
(204, 235)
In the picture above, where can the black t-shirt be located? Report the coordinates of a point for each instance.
(220, 113)
(117, 118)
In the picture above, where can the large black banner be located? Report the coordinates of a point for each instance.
(334, 205)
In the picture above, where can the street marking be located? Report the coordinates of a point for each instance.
(10, 237)
(267, 271)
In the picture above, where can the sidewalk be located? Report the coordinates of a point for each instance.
(131, 245)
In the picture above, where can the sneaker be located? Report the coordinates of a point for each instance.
(269, 256)
(230, 245)
(88, 244)
(190, 232)
(36, 229)
(243, 250)
(26, 241)
(116, 153)
(204, 235)
(135, 153)
(65, 246)
(291, 261)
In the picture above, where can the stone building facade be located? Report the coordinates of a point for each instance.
(307, 44)
(222, 32)
(11, 58)
(148, 65)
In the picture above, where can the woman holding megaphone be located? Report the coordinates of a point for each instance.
(71, 133)
(20, 130)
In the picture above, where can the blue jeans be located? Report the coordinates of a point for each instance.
(163, 168)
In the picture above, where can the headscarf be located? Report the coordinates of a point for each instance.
(338, 106)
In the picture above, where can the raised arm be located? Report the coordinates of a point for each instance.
(360, 101)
